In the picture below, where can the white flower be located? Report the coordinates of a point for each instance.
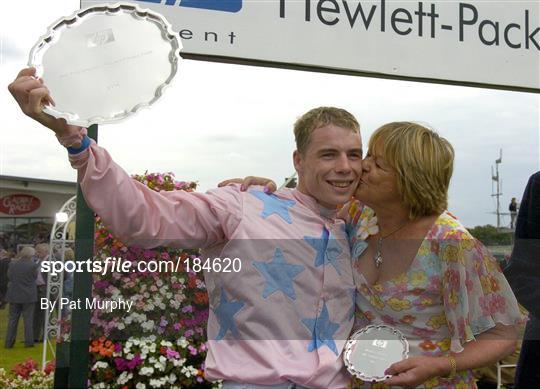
(182, 342)
(124, 377)
(166, 343)
(100, 365)
(188, 371)
(367, 228)
(140, 385)
(155, 383)
(121, 326)
(148, 326)
(148, 371)
(172, 378)
(159, 366)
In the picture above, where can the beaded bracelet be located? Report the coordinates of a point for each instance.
(453, 366)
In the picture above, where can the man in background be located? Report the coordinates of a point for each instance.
(523, 273)
(42, 254)
(513, 208)
(21, 296)
(4, 264)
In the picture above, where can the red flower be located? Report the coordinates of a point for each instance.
(49, 367)
(428, 345)
(23, 369)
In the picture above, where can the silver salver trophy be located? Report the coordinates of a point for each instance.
(105, 62)
(371, 350)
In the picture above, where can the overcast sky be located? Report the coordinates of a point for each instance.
(220, 121)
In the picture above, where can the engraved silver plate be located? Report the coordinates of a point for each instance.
(371, 350)
(104, 63)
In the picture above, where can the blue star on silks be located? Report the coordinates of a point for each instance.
(322, 331)
(279, 275)
(274, 205)
(225, 315)
(327, 248)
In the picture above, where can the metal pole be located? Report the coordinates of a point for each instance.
(498, 197)
(74, 356)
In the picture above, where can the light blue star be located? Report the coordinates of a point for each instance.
(279, 275)
(225, 315)
(274, 205)
(322, 331)
(358, 248)
(327, 248)
(319, 244)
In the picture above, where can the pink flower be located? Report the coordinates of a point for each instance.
(424, 333)
(484, 304)
(452, 278)
(136, 361)
(497, 304)
(171, 354)
(388, 320)
(121, 364)
(149, 254)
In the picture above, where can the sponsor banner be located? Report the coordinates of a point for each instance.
(491, 43)
(18, 204)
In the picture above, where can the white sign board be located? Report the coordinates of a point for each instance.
(472, 42)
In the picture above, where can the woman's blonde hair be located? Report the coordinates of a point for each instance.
(423, 162)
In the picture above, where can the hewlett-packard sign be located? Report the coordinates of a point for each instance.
(494, 43)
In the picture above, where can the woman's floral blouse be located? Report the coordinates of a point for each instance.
(453, 290)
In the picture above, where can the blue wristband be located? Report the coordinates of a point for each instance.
(85, 143)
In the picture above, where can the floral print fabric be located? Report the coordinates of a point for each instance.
(453, 290)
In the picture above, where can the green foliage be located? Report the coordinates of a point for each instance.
(491, 236)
